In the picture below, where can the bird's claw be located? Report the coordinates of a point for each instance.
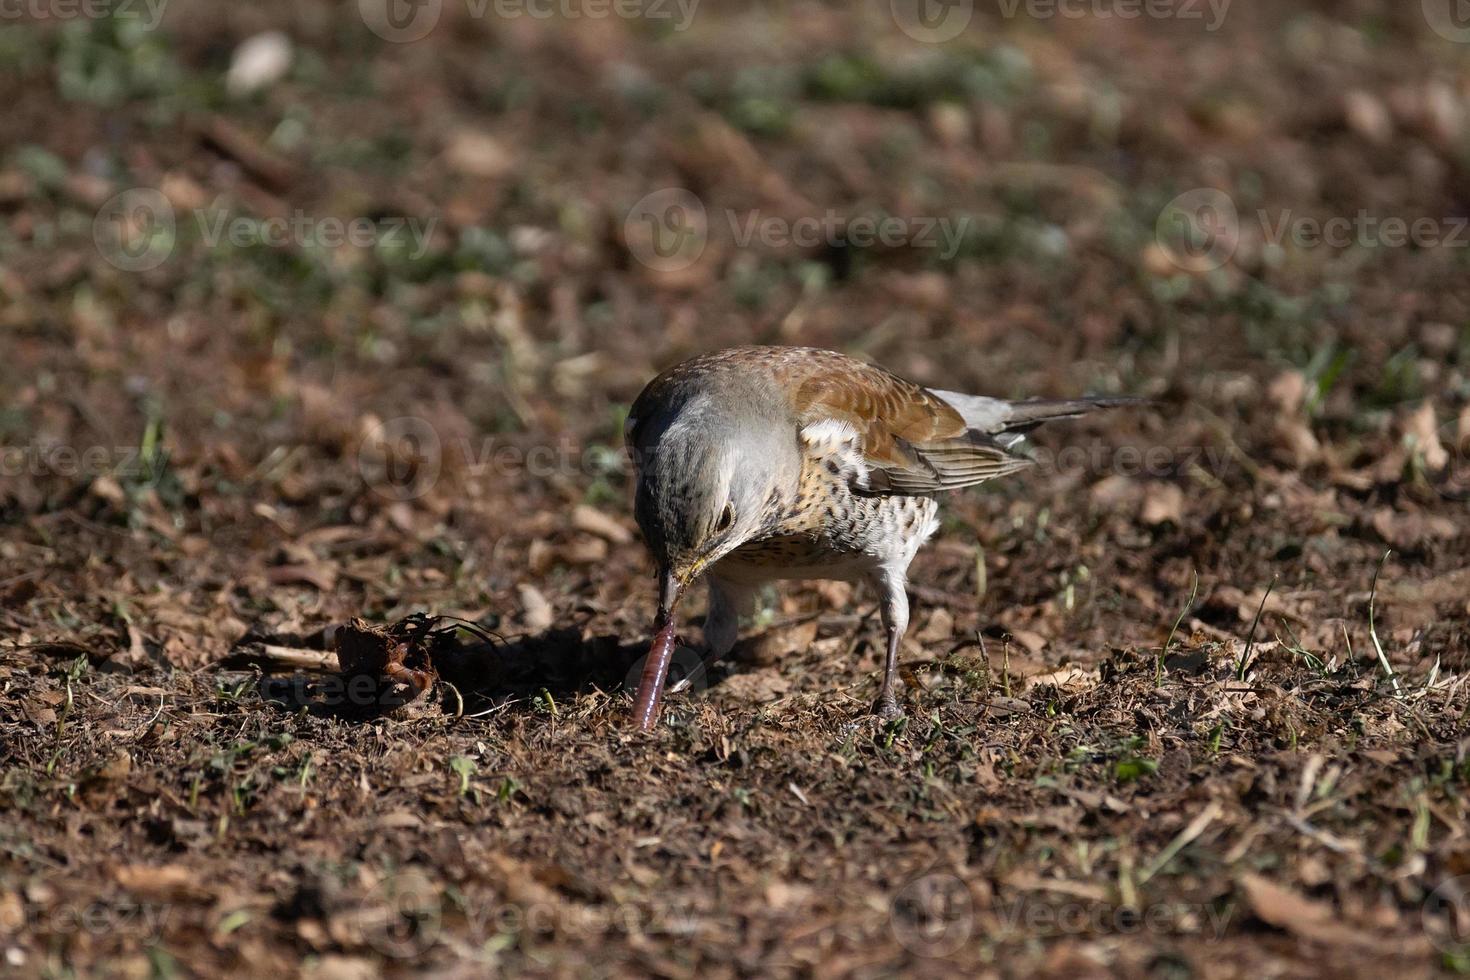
(887, 708)
(684, 683)
(700, 670)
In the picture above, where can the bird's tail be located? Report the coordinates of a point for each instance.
(996, 416)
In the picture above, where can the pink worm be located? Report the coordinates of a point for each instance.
(651, 683)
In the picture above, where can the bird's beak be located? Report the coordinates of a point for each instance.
(656, 666)
(670, 591)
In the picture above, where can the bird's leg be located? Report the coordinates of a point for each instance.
(894, 604)
(727, 603)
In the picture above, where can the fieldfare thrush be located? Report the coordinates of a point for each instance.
(762, 463)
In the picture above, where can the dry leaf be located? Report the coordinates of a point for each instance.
(1422, 429)
(478, 154)
(259, 61)
(320, 576)
(1408, 531)
(536, 612)
(166, 882)
(1163, 503)
(775, 644)
(594, 521)
(1299, 915)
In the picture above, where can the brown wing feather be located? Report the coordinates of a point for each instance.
(913, 441)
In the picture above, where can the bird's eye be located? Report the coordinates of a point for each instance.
(727, 518)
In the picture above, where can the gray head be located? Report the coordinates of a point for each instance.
(711, 465)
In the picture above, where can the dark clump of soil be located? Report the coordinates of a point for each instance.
(402, 653)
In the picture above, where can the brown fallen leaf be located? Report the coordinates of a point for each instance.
(1066, 677)
(1422, 430)
(777, 643)
(1293, 912)
(594, 521)
(318, 576)
(1409, 530)
(1288, 391)
(164, 882)
(1032, 641)
(760, 685)
(939, 628)
(1163, 503)
(536, 612)
(477, 154)
(1367, 116)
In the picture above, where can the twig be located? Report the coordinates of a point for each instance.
(1182, 840)
(1250, 640)
(458, 698)
(270, 653)
(1164, 651)
(1373, 632)
(492, 710)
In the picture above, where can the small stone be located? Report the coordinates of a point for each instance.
(1367, 116)
(259, 61)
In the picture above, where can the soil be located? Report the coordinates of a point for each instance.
(1187, 699)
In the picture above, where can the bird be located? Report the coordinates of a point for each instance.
(753, 464)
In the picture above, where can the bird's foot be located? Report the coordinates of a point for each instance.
(886, 707)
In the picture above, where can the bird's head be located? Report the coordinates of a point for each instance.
(710, 472)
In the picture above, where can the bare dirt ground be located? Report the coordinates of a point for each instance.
(225, 439)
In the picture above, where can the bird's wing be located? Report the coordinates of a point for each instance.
(892, 436)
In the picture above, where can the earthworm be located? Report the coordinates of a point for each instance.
(651, 684)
